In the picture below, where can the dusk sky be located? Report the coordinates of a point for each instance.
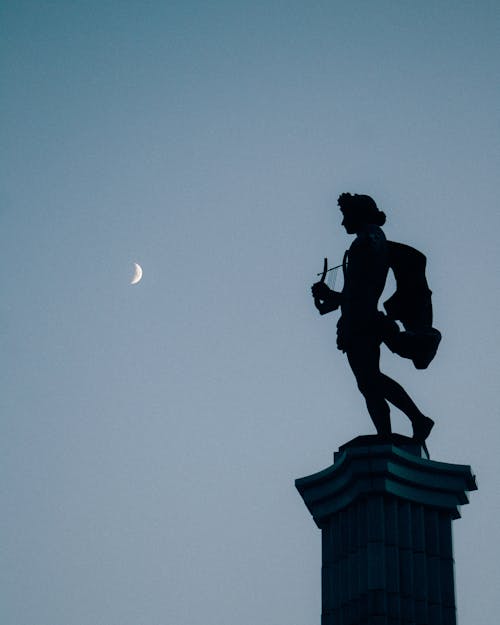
(152, 433)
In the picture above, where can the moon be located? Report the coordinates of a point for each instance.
(137, 274)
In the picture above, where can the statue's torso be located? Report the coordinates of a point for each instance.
(365, 271)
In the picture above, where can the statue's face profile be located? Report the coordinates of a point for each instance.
(351, 222)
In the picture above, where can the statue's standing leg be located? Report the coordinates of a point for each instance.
(364, 359)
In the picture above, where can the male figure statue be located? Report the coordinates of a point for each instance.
(362, 327)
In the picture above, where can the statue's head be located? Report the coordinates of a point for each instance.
(359, 210)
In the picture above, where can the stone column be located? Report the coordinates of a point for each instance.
(385, 516)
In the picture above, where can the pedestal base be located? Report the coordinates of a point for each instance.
(385, 515)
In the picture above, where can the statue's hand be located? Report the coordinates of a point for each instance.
(321, 291)
(325, 299)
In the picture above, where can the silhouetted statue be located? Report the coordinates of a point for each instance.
(362, 327)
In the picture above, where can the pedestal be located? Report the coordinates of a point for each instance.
(385, 515)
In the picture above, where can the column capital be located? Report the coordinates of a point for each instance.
(395, 467)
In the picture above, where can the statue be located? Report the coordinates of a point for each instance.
(362, 328)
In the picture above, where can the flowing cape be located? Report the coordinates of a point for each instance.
(412, 305)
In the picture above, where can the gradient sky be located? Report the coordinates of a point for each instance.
(151, 434)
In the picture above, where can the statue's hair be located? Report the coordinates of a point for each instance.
(363, 206)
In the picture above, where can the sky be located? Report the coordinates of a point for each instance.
(151, 434)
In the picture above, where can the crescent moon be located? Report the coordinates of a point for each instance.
(137, 274)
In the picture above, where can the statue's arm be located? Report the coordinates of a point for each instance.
(325, 299)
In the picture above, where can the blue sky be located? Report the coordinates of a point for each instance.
(151, 434)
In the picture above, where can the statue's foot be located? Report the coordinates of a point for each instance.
(421, 429)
